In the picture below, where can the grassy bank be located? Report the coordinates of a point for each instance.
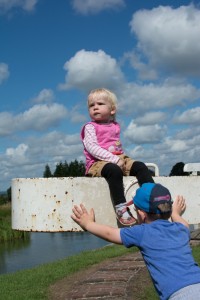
(6, 232)
(33, 284)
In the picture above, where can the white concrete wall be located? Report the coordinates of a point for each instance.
(45, 204)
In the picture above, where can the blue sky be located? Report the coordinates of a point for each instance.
(52, 53)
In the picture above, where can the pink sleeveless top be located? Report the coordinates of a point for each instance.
(108, 137)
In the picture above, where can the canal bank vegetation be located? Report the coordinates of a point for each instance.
(34, 283)
(7, 234)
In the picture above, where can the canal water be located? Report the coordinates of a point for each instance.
(44, 248)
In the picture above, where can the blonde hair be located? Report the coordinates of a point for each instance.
(105, 94)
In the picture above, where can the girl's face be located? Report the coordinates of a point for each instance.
(100, 110)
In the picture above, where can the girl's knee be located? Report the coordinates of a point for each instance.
(111, 169)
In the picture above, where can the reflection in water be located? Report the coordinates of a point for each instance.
(44, 248)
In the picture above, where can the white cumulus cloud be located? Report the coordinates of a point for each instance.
(4, 72)
(169, 37)
(88, 70)
(39, 118)
(27, 5)
(190, 116)
(151, 118)
(144, 134)
(93, 6)
(135, 98)
(45, 95)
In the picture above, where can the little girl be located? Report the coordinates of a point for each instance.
(104, 153)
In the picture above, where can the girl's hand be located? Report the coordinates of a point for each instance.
(82, 217)
(120, 163)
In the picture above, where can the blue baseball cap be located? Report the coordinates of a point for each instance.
(150, 195)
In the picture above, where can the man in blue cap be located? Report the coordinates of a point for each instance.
(163, 244)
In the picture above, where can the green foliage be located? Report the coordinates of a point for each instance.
(3, 199)
(9, 194)
(73, 169)
(7, 234)
(47, 172)
(196, 253)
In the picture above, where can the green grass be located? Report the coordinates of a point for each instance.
(196, 253)
(6, 232)
(33, 284)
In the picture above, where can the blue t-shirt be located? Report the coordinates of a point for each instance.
(166, 251)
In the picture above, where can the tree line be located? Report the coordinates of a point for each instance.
(77, 169)
(73, 169)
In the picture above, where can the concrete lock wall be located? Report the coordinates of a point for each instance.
(45, 204)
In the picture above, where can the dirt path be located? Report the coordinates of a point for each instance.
(122, 278)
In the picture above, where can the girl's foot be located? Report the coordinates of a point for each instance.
(125, 217)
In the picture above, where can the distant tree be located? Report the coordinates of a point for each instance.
(72, 169)
(66, 169)
(76, 169)
(3, 199)
(9, 194)
(59, 171)
(47, 172)
(177, 170)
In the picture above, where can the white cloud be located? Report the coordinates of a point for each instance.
(169, 38)
(6, 123)
(144, 134)
(186, 150)
(44, 146)
(176, 145)
(88, 70)
(188, 133)
(41, 117)
(140, 153)
(4, 72)
(145, 72)
(27, 5)
(46, 95)
(136, 98)
(151, 118)
(190, 116)
(17, 155)
(38, 117)
(76, 116)
(167, 153)
(29, 158)
(93, 6)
